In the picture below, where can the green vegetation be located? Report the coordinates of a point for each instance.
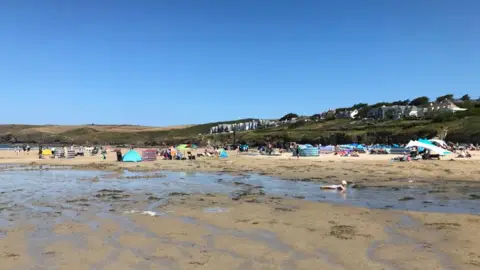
(289, 116)
(460, 127)
(442, 98)
(338, 131)
(420, 101)
(346, 131)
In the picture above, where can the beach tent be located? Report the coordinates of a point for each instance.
(243, 147)
(47, 152)
(430, 146)
(425, 141)
(440, 142)
(132, 156)
(326, 149)
(307, 150)
(223, 154)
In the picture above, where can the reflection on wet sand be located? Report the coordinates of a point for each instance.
(58, 219)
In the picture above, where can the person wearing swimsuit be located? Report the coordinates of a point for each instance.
(341, 188)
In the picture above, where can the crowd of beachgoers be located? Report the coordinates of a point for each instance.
(191, 151)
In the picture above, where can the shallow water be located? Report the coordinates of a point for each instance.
(27, 188)
(54, 195)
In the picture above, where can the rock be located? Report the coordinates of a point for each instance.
(474, 197)
(406, 199)
(178, 194)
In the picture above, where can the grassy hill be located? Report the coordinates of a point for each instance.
(341, 131)
(104, 134)
(460, 127)
(466, 129)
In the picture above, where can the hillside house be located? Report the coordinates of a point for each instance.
(398, 112)
(348, 114)
(394, 112)
(251, 125)
(445, 106)
(326, 114)
(375, 113)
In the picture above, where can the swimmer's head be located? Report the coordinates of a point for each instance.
(344, 183)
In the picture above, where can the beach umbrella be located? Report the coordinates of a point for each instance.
(186, 146)
(182, 147)
(442, 143)
(431, 147)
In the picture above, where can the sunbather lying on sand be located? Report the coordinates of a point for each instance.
(464, 154)
(405, 157)
(342, 187)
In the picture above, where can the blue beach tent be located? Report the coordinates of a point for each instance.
(223, 154)
(132, 156)
(307, 150)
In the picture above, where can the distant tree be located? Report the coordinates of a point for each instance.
(359, 105)
(381, 104)
(442, 98)
(465, 98)
(289, 116)
(401, 102)
(363, 112)
(420, 101)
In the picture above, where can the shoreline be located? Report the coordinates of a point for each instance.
(368, 170)
(212, 231)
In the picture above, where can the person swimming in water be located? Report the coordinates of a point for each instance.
(342, 187)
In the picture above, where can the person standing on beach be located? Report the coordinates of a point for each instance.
(28, 149)
(24, 147)
(298, 151)
(40, 148)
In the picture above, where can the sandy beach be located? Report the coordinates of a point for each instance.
(255, 232)
(138, 228)
(365, 170)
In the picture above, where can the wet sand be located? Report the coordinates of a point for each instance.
(108, 228)
(370, 170)
(254, 232)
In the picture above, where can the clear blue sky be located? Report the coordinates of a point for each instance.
(194, 61)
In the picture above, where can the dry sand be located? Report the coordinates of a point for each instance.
(365, 170)
(254, 232)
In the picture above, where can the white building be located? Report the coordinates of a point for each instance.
(445, 106)
(395, 112)
(399, 112)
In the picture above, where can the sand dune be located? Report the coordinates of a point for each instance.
(55, 129)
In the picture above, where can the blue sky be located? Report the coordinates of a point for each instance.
(192, 61)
